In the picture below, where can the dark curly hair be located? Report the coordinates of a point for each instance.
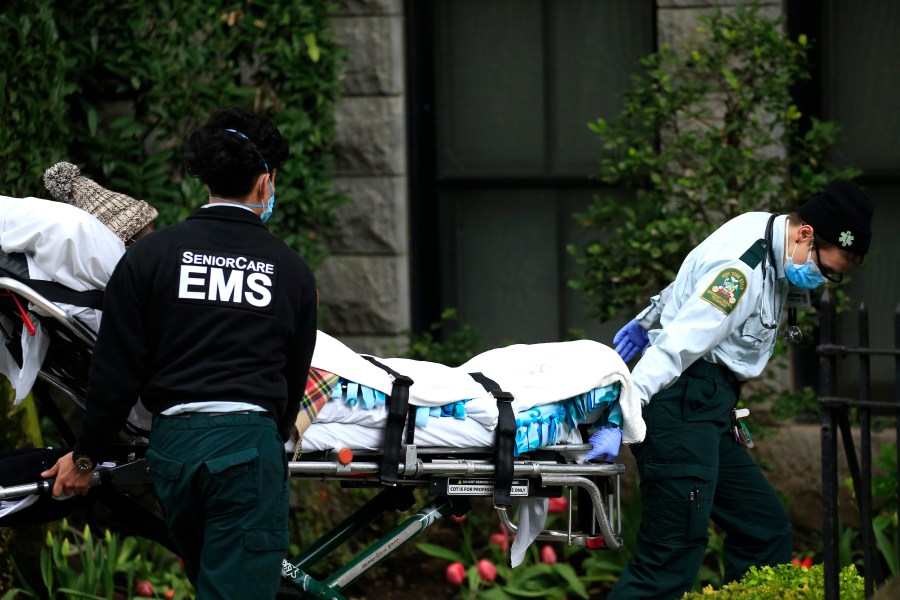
(228, 162)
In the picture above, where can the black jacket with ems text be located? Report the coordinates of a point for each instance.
(214, 308)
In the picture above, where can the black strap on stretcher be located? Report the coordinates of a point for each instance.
(398, 415)
(16, 266)
(506, 439)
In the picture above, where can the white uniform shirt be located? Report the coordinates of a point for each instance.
(700, 318)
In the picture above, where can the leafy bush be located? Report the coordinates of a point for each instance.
(786, 582)
(117, 87)
(706, 134)
(441, 343)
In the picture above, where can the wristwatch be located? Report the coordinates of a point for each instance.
(83, 462)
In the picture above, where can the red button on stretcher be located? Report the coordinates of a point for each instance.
(595, 543)
(345, 456)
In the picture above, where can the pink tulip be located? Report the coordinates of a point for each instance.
(144, 588)
(557, 506)
(456, 573)
(502, 540)
(487, 570)
(548, 555)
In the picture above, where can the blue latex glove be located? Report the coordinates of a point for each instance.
(630, 340)
(606, 444)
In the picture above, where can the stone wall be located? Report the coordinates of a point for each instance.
(676, 20)
(364, 284)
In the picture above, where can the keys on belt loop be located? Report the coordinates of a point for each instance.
(739, 429)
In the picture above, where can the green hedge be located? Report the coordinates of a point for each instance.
(116, 87)
(785, 582)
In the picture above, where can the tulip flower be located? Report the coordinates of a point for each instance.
(557, 505)
(502, 540)
(170, 593)
(143, 588)
(548, 555)
(456, 573)
(487, 570)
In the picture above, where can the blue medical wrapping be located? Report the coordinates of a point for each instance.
(422, 414)
(368, 397)
(521, 440)
(352, 393)
(615, 415)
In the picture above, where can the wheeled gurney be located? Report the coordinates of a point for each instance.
(452, 467)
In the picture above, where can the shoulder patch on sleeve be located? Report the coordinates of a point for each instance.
(726, 290)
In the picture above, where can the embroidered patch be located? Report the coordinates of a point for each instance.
(846, 238)
(726, 290)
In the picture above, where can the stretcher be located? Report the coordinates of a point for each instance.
(391, 452)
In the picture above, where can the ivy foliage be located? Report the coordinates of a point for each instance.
(707, 133)
(116, 88)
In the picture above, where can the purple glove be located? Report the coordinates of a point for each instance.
(630, 340)
(606, 443)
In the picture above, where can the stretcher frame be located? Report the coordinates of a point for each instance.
(595, 524)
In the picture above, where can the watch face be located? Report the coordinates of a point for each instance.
(84, 463)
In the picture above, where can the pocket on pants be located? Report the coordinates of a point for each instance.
(705, 401)
(233, 480)
(163, 466)
(677, 499)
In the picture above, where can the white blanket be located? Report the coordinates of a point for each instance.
(63, 244)
(533, 373)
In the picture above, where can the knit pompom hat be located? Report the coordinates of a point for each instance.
(124, 215)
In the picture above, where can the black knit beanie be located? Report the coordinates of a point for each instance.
(842, 215)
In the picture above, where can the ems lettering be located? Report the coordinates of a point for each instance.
(219, 284)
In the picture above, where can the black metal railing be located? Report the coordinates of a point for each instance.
(836, 417)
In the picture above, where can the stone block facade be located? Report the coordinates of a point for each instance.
(364, 283)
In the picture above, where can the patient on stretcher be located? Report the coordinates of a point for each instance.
(75, 243)
(555, 386)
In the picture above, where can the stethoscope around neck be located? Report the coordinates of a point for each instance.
(792, 334)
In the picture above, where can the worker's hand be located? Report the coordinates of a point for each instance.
(630, 340)
(606, 444)
(69, 480)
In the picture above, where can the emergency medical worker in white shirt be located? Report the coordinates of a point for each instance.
(212, 323)
(713, 328)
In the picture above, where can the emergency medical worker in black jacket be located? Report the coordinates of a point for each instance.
(212, 323)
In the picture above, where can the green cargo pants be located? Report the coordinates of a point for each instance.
(691, 470)
(222, 482)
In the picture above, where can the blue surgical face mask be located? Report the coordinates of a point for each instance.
(806, 276)
(270, 205)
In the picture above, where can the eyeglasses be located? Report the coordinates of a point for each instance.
(826, 272)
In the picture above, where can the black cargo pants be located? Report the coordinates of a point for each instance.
(691, 470)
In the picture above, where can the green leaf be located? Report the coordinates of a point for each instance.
(440, 552)
(312, 47)
(730, 78)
